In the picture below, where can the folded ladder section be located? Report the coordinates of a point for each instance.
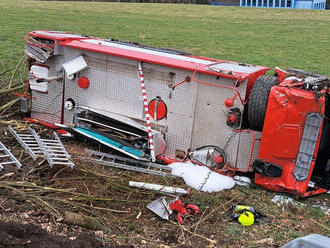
(28, 142)
(6, 157)
(53, 150)
(106, 159)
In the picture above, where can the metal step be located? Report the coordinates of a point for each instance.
(53, 150)
(110, 160)
(28, 142)
(10, 158)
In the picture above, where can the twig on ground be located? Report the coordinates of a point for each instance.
(213, 211)
(48, 207)
(10, 90)
(7, 175)
(212, 241)
(200, 219)
(6, 106)
(15, 70)
(9, 115)
(8, 70)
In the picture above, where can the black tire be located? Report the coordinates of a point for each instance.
(258, 100)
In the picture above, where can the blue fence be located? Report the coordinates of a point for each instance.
(295, 4)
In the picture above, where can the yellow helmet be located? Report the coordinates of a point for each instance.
(246, 218)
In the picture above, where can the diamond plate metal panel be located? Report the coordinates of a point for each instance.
(196, 113)
(210, 116)
(47, 106)
(115, 87)
(93, 96)
(245, 147)
(178, 135)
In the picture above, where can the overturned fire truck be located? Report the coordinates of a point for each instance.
(167, 105)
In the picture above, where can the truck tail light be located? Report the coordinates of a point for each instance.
(83, 82)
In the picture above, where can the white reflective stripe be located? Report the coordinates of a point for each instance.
(146, 110)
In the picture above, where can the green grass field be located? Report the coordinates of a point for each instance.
(270, 37)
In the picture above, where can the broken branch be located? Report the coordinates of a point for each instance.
(15, 70)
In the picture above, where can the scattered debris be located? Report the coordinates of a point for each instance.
(201, 178)
(158, 188)
(285, 200)
(242, 181)
(56, 127)
(246, 215)
(183, 211)
(164, 209)
(160, 207)
(115, 161)
(210, 156)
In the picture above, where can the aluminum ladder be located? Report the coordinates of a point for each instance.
(28, 142)
(6, 157)
(53, 150)
(110, 160)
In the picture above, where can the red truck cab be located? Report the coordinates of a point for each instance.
(294, 153)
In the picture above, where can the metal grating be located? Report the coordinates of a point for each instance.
(53, 150)
(246, 146)
(28, 142)
(47, 106)
(6, 157)
(210, 116)
(119, 162)
(196, 113)
(307, 146)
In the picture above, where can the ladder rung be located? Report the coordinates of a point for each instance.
(60, 159)
(51, 144)
(60, 152)
(55, 149)
(35, 148)
(49, 140)
(63, 163)
(9, 162)
(58, 155)
(4, 156)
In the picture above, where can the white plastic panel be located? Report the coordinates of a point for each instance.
(74, 66)
(39, 72)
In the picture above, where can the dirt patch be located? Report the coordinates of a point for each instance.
(14, 235)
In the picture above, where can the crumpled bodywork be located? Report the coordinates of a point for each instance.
(282, 134)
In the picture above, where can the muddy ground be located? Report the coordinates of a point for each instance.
(35, 200)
